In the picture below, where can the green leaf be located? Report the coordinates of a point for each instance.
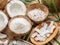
(26, 2)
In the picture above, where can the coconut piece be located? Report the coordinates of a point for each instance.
(37, 12)
(3, 3)
(5, 42)
(3, 20)
(15, 8)
(20, 25)
(19, 42)
(40, 40)
(2, 36)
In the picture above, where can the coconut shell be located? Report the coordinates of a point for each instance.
(38, 6)
(48, 39)
(13, 34)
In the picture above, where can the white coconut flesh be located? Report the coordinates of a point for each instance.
(16, 7)
(2, 36)
(43, 33)
(3, 20)
(20, 25)
(37, 15)
(18, 43)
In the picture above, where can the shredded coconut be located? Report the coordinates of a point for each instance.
(37, 15)
(43, 33)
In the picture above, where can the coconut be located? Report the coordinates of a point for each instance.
(3, 20)
(2, 36)
(19, 42)
(20, 25)
(41, 39)
(15, 8)
(37, 12)
(3, 3)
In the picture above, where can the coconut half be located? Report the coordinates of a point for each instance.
(19, 42)
(3, 20)
(37, 12)
(16, 7)
(49, 38)
(20, 25)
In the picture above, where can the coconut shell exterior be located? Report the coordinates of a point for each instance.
(37, 6)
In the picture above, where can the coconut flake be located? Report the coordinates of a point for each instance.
(20, 25)
(37, 15)
(15, 8)
(3, 20)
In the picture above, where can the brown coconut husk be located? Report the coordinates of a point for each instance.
(3, 3)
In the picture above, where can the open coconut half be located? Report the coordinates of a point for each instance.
(44, 33)
(16, 7)
(3, 3)
(19, 42)
(3, 20)
(20, 25)
(37, 12)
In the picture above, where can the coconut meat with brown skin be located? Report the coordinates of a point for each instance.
(16, 7)
(43, 33)
(3, 20)
(14, 42)
(20, 25)
(37, 15)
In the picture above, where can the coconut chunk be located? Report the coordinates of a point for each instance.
(37, 15)
(51, 27)
(3, 20)
(40, 38)
(15, 8)
(2, 36)
(4, 42)
(14, 42)
(34, 35)
(20, 25)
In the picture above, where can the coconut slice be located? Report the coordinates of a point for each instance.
(16, 7)
(40, 38)
(20, 25)
(37, 12)
(3, 3)
(3, 20)
(19, 42)
(2, 36)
